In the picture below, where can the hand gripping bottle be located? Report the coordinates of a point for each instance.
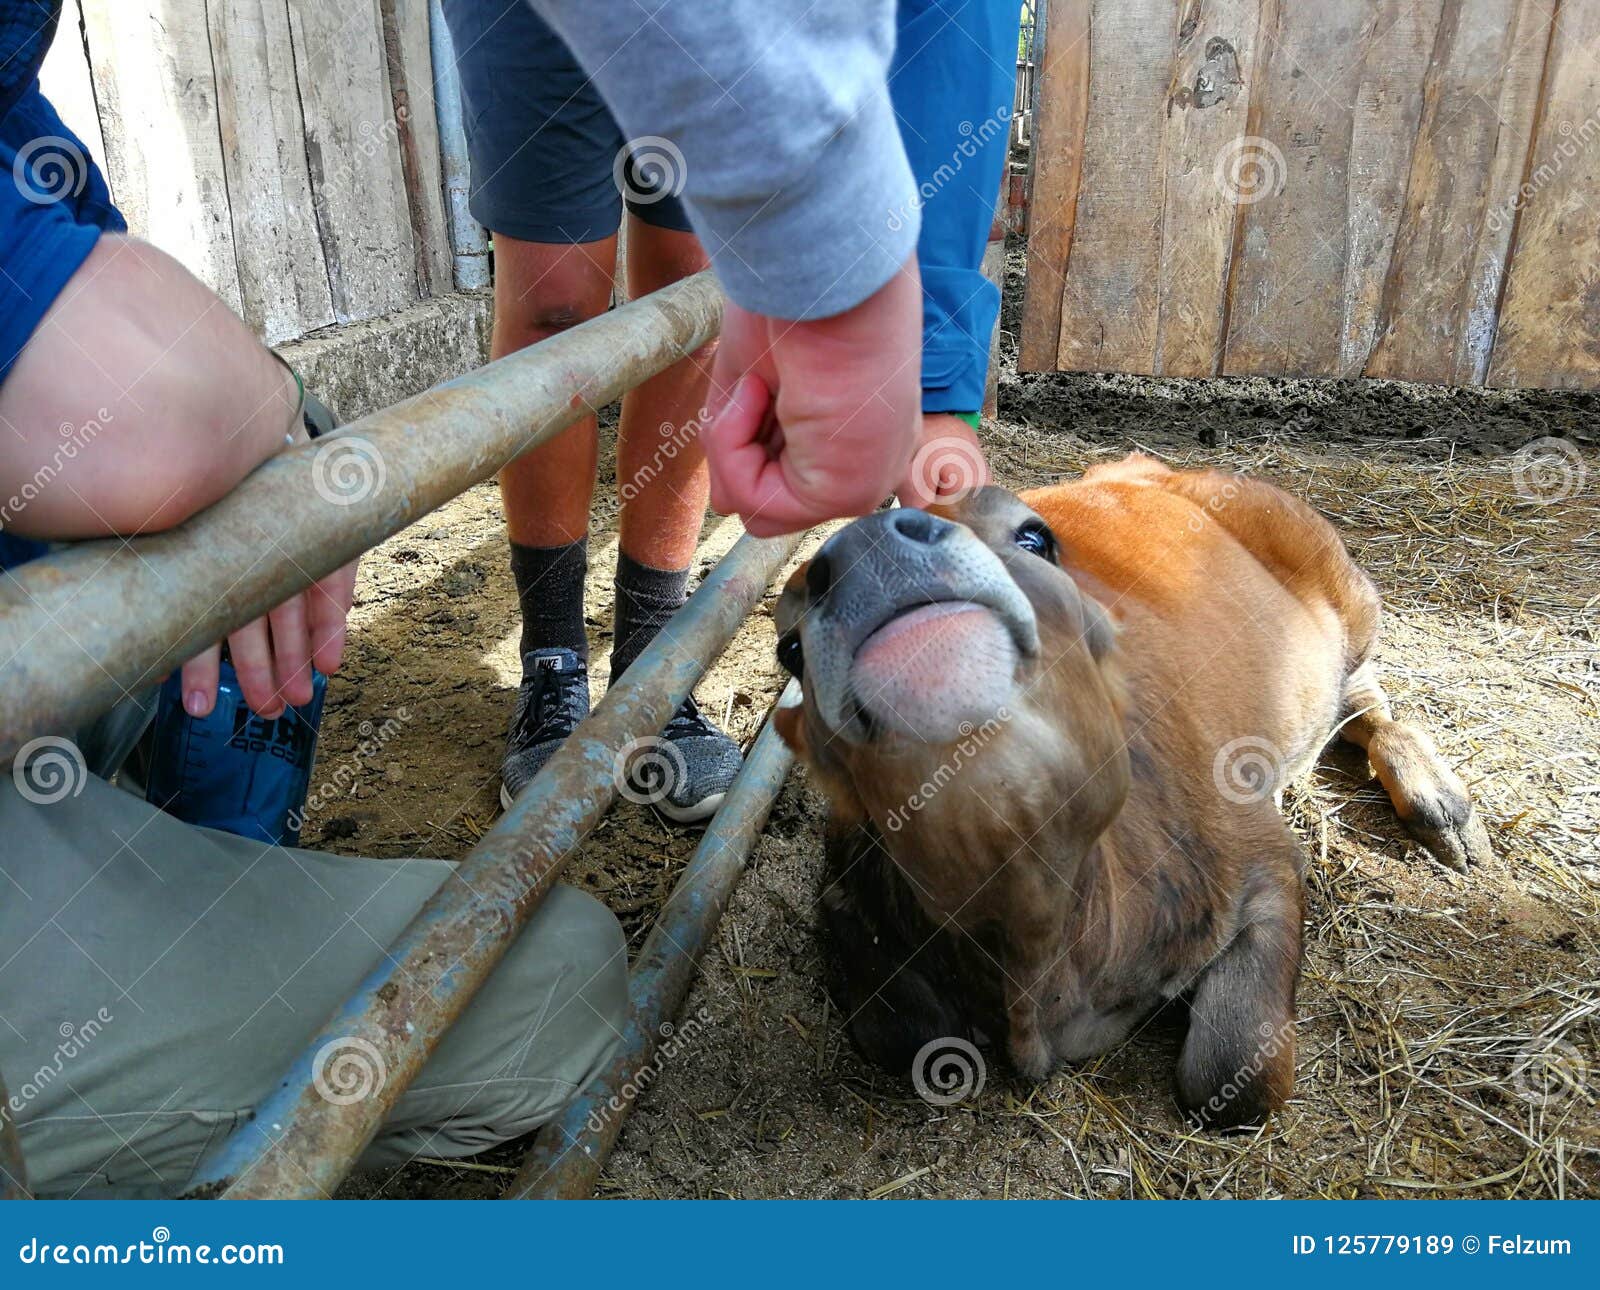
(234, 770)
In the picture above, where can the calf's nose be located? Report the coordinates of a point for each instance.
(901, 533)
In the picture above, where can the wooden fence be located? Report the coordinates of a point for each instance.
(1392, 188)
(286, 151)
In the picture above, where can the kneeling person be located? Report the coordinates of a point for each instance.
(156, 978)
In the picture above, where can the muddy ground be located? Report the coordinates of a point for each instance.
(1448, 1033)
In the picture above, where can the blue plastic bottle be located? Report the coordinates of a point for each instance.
(17, 550)
(234, 770)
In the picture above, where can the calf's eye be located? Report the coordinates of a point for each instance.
(1035, 537)
(790, 656)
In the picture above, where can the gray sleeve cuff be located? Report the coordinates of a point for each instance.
(835, 231)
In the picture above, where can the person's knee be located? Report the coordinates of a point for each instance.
(542, 289)
(527, 322)
(568, 975)
(547, 1022)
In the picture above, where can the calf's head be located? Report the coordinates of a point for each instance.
(961, 696)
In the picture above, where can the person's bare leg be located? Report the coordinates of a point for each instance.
(541, 289)
(664, 485)
(661, 468)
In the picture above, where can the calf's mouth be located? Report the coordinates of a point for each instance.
(915, 630)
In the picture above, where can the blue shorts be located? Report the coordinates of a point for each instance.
(543, 146)
(54, 204)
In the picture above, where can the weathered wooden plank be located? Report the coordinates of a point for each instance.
(1206, 114)
(1108, 300)
(405, 31)
(1549, 332)
(65, 79)
(1437, 316)
(283, 278)
(1396, 51)
(156, 95)
(1060, 112)
(353, 155)
(1313, 231)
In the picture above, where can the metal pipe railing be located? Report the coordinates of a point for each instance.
(13, 1171)
(567, 1156)
(469, 242)
(300, 1144)
(81, 628)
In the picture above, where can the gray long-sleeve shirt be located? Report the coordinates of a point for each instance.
(794, 174)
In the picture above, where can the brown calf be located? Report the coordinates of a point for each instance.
(1053, 731)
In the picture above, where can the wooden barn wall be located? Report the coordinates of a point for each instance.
(1389, 188)
(286, 151)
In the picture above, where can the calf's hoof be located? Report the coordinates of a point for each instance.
(1030, 1055)
(1452, 833)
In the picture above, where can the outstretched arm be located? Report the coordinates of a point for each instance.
(776, 123)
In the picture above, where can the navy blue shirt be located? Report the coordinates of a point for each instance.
(54, 203)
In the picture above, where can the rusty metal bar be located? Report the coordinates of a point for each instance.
(299, 1143)
(80, 629)
(566, 1158)
(13, 1170)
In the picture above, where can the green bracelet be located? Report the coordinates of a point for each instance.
(971, 418)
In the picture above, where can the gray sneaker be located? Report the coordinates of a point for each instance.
(685, 775)
(553, 699)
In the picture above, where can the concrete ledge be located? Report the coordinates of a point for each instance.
(360, 367)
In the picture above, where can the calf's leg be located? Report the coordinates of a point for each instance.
(1237, 1064)
(1431, 801)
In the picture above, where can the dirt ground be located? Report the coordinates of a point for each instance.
(1449, 1036)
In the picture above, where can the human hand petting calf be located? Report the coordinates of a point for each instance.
(819, 419)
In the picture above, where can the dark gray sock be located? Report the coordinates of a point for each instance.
(646, 598)
(550, 591)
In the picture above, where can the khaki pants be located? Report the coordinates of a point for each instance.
(156, 980)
